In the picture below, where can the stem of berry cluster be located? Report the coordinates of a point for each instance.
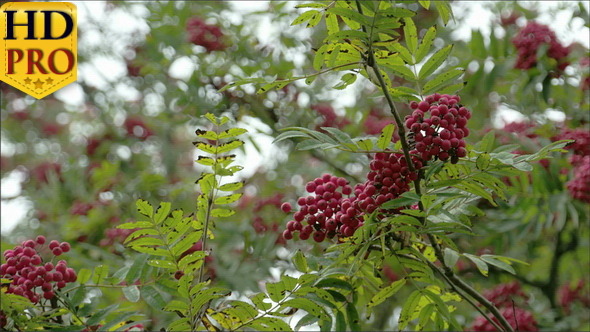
(450, 275)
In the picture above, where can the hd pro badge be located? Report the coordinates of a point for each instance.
(38, 46)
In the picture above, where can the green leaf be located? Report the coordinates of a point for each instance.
(408, 309)
(386, 293)
(442, 79)
(483, 161)
(232, 186)
(314, 20)
(84, 275)
(481, 265)
(403, 52)
(306, 16)
(101, 314)
(222, 213)
(352, 316)
(205, 147)
(290, 134)
(312, 5)
(227, 199)
(424, 3)
(136, 224)
(269, 324)
(231, 133)
(386, 135)
(206, 134)
(490, 259)
(445, 11)
(100, 273)
(135, 269)
(434, 62)
(162, 212)
(131, 293)
(162, 264)
(401, 201)
(351, 14)
(425, 44)
(300, 262)
(477, 45)
(341, 137)
(451, 257)
(332, 23)
(145, 208)
(411, 35)
(346, 80)
(365, 144)
(226, 147)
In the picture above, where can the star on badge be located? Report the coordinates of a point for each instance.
(28, 80)
(38, 84)
(49, 81)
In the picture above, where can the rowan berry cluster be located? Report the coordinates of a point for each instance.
(115, 235)
(530, 38)
(503, 294)
(335, 208)
(330, 118)
(33, 277)
(519, 319)
(438, 125)
(203, 34)
(135, 127)
(568, 295)
(581, 145)
(579, 186)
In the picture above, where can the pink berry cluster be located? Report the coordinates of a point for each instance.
(136, 127)
(519, 319)
(115, 235)
(203, 34)
(31, 276)
(568, 295)
(581, 145)
(503, 294)
(376, 121)
(438, 124)
(579, 186)
(530, 38)
(329, 116)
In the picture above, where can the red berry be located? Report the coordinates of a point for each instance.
(65, 247)
(57, 251)
(40, 239)
(53, 244)
(286, 207)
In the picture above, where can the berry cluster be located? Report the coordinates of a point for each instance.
(438, 125)
(81, 208)
(579, 186)
(115, 235)
(31, 276)
(135, 127)
(335, 208)
(375, 122)
(330, 118)
(519, 319)
(568, 295)
(581, 145)
(530, 38)
(504, 297)
(41, 172)
(203, 34)
(503, 294)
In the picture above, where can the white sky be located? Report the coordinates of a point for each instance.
(13, 211)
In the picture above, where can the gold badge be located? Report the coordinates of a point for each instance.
(39, 46)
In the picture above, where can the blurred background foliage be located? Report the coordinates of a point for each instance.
(76, 161)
